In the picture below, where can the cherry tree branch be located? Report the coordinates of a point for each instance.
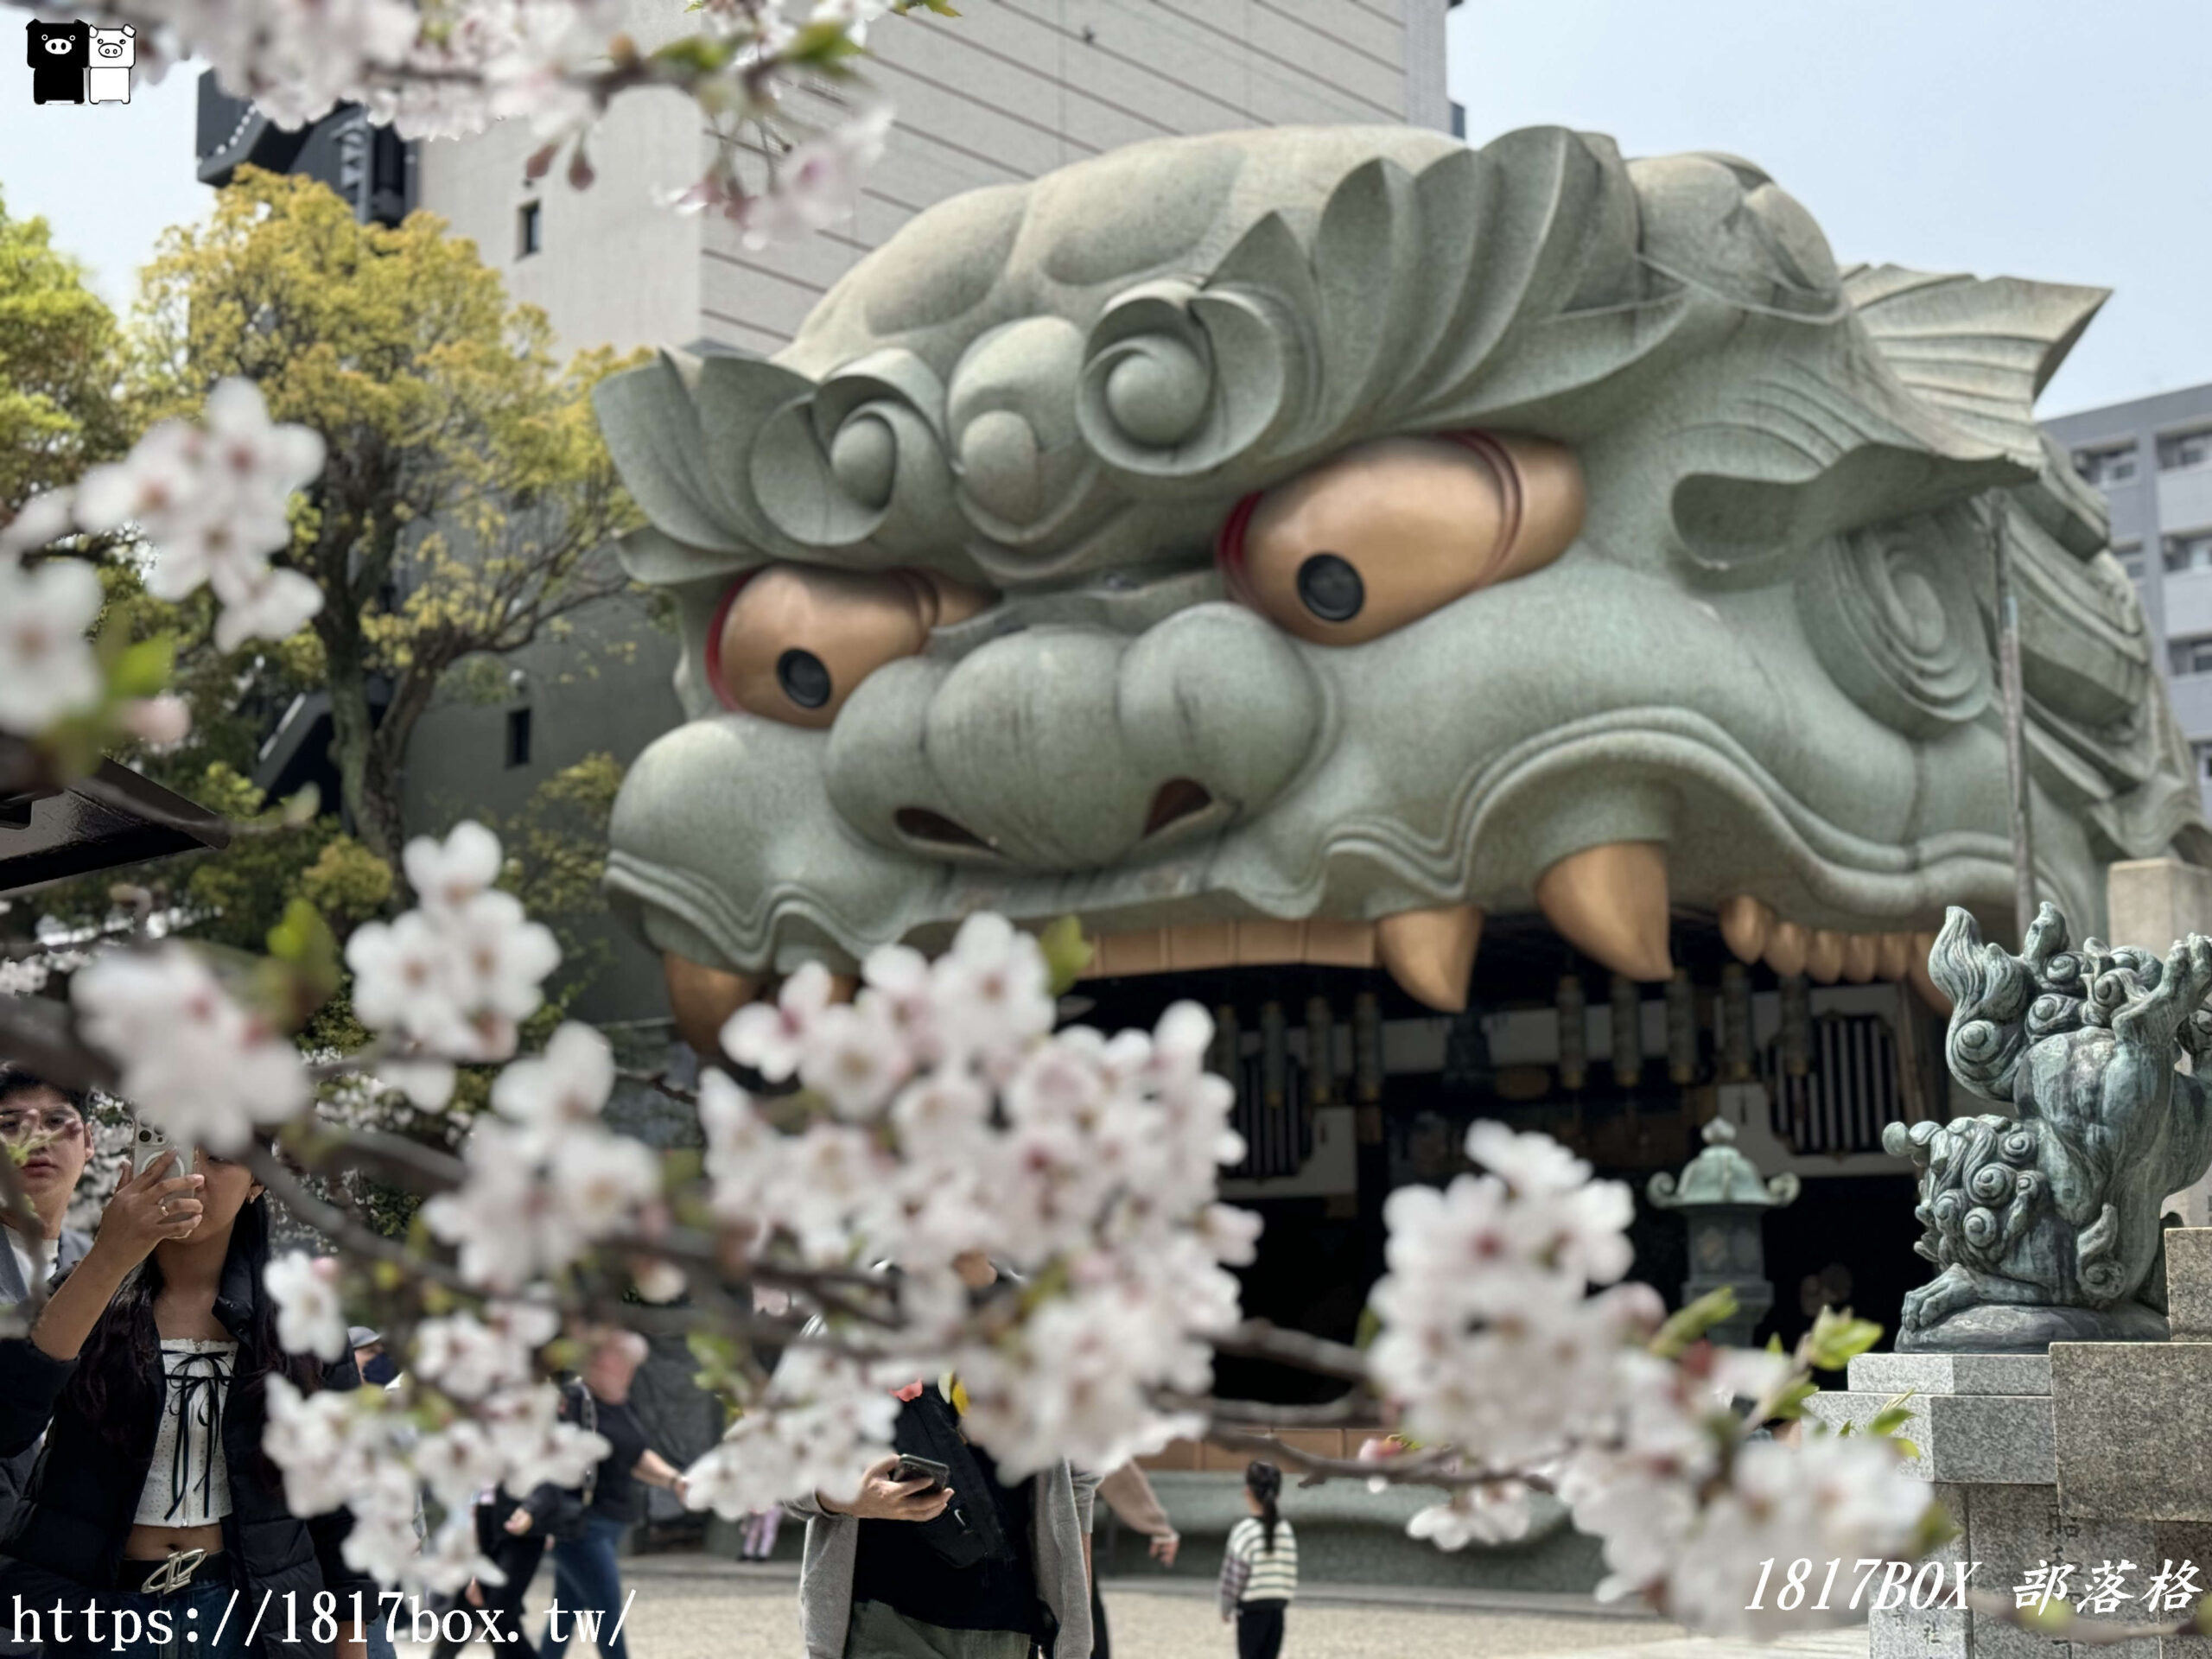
(38, 1033)
(1262, 1339)
(658, 1082)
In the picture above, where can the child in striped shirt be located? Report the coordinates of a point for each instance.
(1259, 1574)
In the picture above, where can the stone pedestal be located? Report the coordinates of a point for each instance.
(2097, 1452)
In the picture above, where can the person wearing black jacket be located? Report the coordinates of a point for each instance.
(49, 1129)
(516, 1554)
(148, 1374)
(586, 1528)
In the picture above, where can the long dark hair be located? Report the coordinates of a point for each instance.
(116, 1387)
(1264, 1482)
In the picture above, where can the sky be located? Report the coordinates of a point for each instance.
(2041, 138)
(2037, 138)
(107, 177)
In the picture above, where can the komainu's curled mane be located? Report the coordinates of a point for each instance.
(2044, 1224)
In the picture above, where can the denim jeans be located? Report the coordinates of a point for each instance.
(587, 1580)
(192, 1612)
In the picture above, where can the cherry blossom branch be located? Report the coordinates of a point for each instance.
(323, 1145)
(454, 69)
(1261, 1340)
(1357, 1408)
(351, 1236)
(342, 1230)
(40, 1034)
(658, 1082)
(1439, 1468)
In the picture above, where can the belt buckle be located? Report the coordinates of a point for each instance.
(174, 1573)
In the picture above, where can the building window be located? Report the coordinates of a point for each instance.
(2130, 555)
(518, 734)
(2105, 467)
(2203, 759)
(2191, 656)
(527, 239)
(2189, 552)
(1459, 119)
(2186, 450)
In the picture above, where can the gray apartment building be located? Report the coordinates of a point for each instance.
(2152, 459)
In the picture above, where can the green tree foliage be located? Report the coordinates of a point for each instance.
(59, 368)
(556, 852)
(469, 503)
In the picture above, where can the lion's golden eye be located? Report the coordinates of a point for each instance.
(790, 642)
(1388, 532)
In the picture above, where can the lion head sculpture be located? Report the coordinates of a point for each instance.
(1293, 544)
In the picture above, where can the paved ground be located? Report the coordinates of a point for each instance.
(698, 1607)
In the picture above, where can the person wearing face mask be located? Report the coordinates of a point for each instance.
(147, 1373)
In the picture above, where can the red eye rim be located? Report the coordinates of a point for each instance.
(1229, 545)
(714, 640)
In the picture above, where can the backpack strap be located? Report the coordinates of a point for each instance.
(585, 1410)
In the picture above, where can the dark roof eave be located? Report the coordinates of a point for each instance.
(112, 818)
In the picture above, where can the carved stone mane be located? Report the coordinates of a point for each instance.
(2045, 1223)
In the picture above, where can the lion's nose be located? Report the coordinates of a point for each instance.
(1073, 748)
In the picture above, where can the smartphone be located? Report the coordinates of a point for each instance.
(149, 1141)
(913, 1468)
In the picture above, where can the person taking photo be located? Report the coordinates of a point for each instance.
(148, 1372)
(970, 1566)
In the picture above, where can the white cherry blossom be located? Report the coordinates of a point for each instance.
(823, 1421)
(192, 1059)
(565, 1088)
(310, 1312)
(446, 875)
(1488, 1515)
(771, 1037)
(851, 1055)
(211, 502)
(453, 978)
(48, 670)
(600, 1181)
(469, 1358)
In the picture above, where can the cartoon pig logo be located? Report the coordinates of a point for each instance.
(60, 54)
(114, 52)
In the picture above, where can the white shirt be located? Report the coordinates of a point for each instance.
(34, 1257)
(188, 1483)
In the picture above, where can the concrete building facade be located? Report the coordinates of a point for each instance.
(2152, 460)
(1009, 90)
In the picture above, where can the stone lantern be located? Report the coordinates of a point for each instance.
(1724, 1199)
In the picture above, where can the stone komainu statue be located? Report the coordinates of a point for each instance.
(2045, 1223)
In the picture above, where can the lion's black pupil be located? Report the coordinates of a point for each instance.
(805, 681)
(1331, 589)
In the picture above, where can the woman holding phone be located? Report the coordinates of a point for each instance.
(148, 1372)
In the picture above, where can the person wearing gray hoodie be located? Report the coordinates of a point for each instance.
(971, 1568)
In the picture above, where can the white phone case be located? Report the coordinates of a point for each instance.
(149, 1141)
